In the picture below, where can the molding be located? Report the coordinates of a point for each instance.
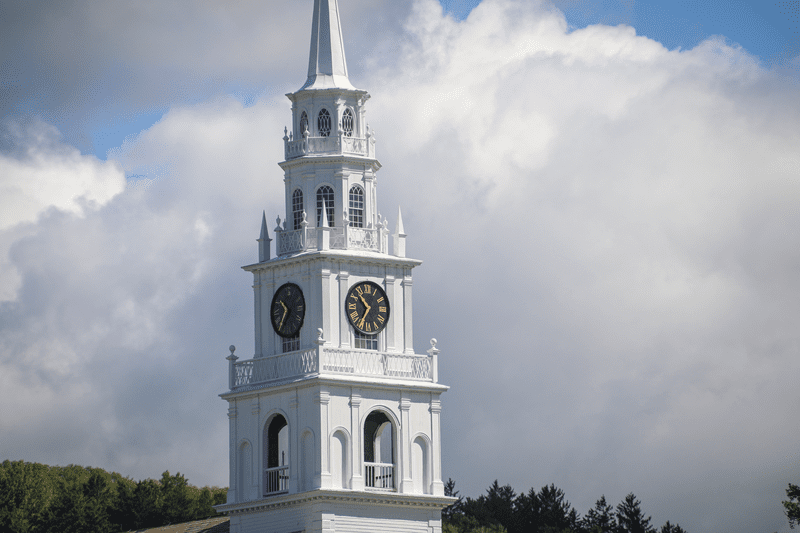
(338, 256)
(337, 496)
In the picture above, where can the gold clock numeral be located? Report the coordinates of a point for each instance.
(367, 289)
(379, 300)
(367, 328)
(380, 319)
(351, 306)
(359, 290)
(381, 309)
(354, 315)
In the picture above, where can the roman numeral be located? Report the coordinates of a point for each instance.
(381, 309)
(368, 289)
(380, 319)
(379, 300)
(354, 315)
(351, 306)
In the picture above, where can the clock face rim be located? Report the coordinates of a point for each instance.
(296, 330)
(382, 292)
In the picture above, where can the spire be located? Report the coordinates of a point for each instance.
(263, 240)
(399, 236)
(327, 67)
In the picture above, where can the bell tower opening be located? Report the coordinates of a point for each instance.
(379, 463)
(276, 455)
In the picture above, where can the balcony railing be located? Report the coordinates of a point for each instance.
(276, 480)
(379, 476)
(321, 361)
(331, 145)
(341, 238)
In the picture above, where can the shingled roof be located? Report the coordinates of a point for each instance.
(220, 524)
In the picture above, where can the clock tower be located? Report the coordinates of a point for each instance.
(334, 421)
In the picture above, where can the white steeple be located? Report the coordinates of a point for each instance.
(263, 240)
(327, 66)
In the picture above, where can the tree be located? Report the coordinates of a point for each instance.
(600, 518)
(25, 494)
(177, 505)
(792, 505)
(449, 512)
(630, 518)
(555, 512)
(669, 528)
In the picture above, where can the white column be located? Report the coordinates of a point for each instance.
(394, 316)
(232, 459)
(436, 447)
(257, 312)
(324, 399)
(344, 330)
(357, 459)
(404, 451)
(294, 443)
(408, 340)
(325, 307)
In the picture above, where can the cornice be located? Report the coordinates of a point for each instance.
(335, 496)
(325, 159)
(331, 380)
(338, 256)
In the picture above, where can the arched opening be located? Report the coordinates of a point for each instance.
(303, 124)
(297, 209)
(347, 123)
(340, 467)
(325, 195)
(324, 123)
(276, 455)
(379, 468)
(420, 470)
(356, 207)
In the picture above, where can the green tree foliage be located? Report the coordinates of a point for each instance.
(600, 518)
(74, 499)
(792, 505)
(545, 511)
(669, 528)
(630, 518)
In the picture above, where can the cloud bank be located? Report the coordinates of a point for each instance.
(610, 237)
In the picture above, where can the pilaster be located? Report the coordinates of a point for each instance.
(344, 329)
(408, 341)
(404, 464)
(324, 399)
(436, 443)
(357, 459)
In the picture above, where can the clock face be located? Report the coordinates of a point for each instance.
(367, 308)
(288, 310)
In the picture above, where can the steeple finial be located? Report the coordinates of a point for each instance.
(327, 67)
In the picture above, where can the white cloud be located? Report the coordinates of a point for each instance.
(620, 310)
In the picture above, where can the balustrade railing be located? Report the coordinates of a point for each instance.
(322, 360)
(341, 238)
(276, 480)
(334, 144)
(379, 476)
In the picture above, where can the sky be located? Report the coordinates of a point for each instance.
(605, 196)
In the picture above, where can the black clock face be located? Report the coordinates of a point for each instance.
(367, 308)
(288, 310)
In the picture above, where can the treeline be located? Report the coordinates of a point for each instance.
(75, 499)
(501, 510)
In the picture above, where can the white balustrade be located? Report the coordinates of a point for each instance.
(379, 476)
(301, 240)
(322, 360)
(276, 480)
(327, 145)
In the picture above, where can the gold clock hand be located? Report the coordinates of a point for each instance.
(285, 312)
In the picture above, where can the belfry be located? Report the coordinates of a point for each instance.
(334, 421)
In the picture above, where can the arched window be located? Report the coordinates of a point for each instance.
(297, 209)
(379, 470)
(303, 124)
(324, 123)
(420, 469)
(276, 456)
(325, 194)
(347, 122)
(356, 207)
